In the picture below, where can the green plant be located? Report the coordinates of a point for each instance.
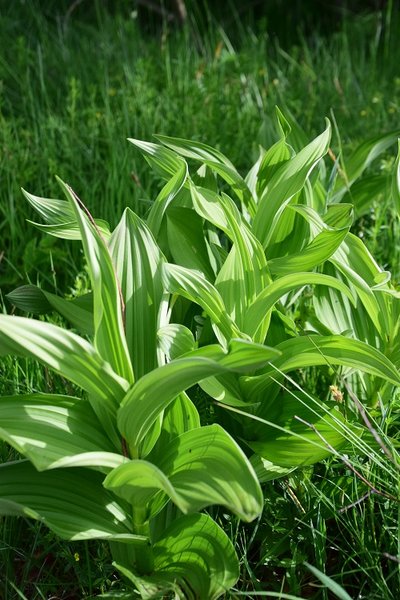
(104, 466)
(211, 304)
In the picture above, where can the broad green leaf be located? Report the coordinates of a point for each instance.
(354, 260)
(46, 428)
(339, 315)
(109, 338)
(297, 430)
(156, 390)
(175, 340)
(165, 197)
(71, 502)
(221, 211)
(290, 128)
(194, 553)
(266, 470)
(148, 587)
(273, 159)
(224, 388)
(366, 191)
(251, 177)
(205, 465)
(193, 286)
(267, 298)
(245, 271)
(396, 182)
(180, 416)
(31, 298)
(360, 159)
(138, 263)
(198, 553)
(339, 215)
(165, 162)
(187, 241)
(285, 182)
(307, 351)
(137, 482)
(60, 218)
(72, 357)
(199, 468)
(315, 253)
(216, 161)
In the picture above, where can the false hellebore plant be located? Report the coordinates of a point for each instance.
(129, 461)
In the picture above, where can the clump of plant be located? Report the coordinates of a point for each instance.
(209, 303)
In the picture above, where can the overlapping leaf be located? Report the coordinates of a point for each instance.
(307, 351)
(270, 295)
(194, 553)
(71, 502)
(200, 467)
(79, 311)
(285, 182)
(217, 161)
(165, 197)
(298, 430)
(60, 218)
(72, 357)
(47, 428)
(107, 302)
(138, 263)
(360, 159)
(193, 286)
(154, 391)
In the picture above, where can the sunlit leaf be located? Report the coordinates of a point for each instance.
(109, 335)
(138, 263)
(285, 182)
(33, 299)
(71, 502)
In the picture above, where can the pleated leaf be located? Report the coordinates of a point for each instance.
(307, 351)
(197, 469)
(79, 311)
(174, 340)
(60, 218)
(360, 159)
(165, 162)
(271, 294)
(46, 428)
(138, 263)
(180, 416)
(195, 287)
(154, 391)
(203, 557)
(72, 357)
(357, 264)
(195, 553)
(165, 197)
(315, 253)
(298, 431)
(285, 182)
(109, 338)
(216, 161)
(187, 242)
(71, 502)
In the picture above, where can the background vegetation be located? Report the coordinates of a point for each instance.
(75, 82)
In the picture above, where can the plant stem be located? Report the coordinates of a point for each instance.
(144, 557)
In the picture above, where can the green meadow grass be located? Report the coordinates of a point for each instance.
(71, 93)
